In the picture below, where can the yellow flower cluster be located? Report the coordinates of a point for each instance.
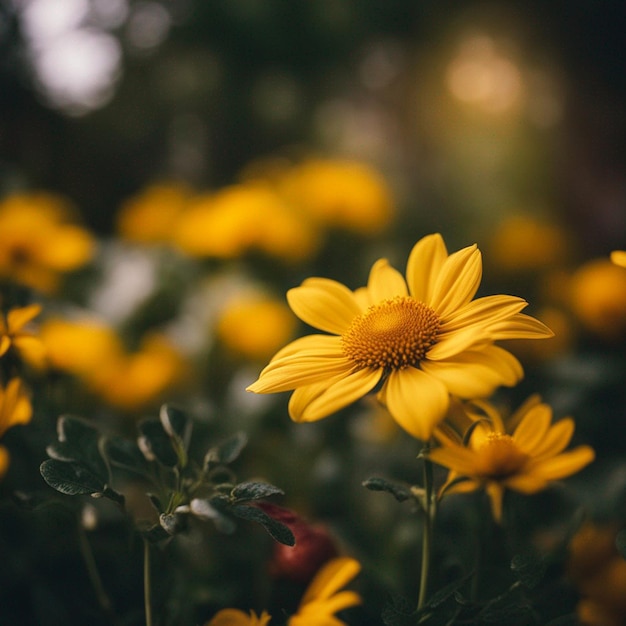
(94, 352)
(319, 605)
(40, 241)
(282, 214)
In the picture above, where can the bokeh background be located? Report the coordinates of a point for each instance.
(221, 151)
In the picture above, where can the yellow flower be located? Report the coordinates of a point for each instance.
(13, 335)
(423, 338)
(151, 215)
(319, 604)
(619, 257)
(242, 218)
(235, 617)
(524, 460)
(15, 408)
(38, 242)
(255, 326)
(598, 298)
(323, 597)
(340, 194)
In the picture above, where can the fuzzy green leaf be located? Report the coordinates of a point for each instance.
(174, 422)
(225, 452)
(254, 491)
(71, 478)
(276, 529)
(156, 444)
(399, 491)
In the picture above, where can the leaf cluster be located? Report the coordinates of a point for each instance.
(83, 461)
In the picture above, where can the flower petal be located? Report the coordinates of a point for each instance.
(557, 438)
(385, 282)
(484, 312)
(335, 574)
(325, 304)
(424, 264)
(476, 373)
(18, 318)
(300, 369)
(533, 428)
(416, 400)
(329, 345)
(456, 458)
(520, 326)
(457, 282)
(451, 344)
(564, 464)
(495, 491)
(314, 402)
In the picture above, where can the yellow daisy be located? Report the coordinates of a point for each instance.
(619, 257)
(13, 335)
(322, 599)
(527, 460)
(423, 338)
(15, 408)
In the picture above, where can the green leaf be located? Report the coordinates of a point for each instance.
(399, 491)
(173, 523)
(529, 568)
(155, 534)
(71, 478)
(276, 529)
(79, 441)
(156, 444)
(175, 422)
(125, 454)
(254, 491)
(225, 452)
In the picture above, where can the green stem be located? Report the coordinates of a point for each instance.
(427, 532)
(146, 582)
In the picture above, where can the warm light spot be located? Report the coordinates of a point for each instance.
(483, 76)
(393, 334)
(500, 457)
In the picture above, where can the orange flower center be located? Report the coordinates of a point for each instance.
(393, 334)
(500, 457)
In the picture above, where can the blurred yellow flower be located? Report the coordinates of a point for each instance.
(79, 347)
(15, 408)
(619, 257)
(235, 617)
(323, 597)
(15, 336)
(130, 381)
(523, 243)
(598, 298)
(151, 215)
(255, 326)
(321, 601)
(38, 242)
(243, 218)
(599, 573)
(423, 338)
(340, 193)
(524, 460)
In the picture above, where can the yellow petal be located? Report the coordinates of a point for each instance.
(520, 326)
(235, 617)
(318, 402)
(18, 318)
(335, 574)
(533, 428)
(32, 350)
(313, 344)
(475, 374)
(325, 304)
(484, 312)
(300, 369)
(455, 457)
(4, 461)
(416, 400)
(526, 483)
(619, 257)
(495, 493)
(69, 248)
(564, 464)
(424, 264)
(5, 344)
(457, 282)
(385, 282)
(450, 344)
(556, 439)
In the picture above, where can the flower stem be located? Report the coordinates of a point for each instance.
(429, 507)
(146, 582)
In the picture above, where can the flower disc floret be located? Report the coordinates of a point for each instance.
(393, 334)
(500, 457)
